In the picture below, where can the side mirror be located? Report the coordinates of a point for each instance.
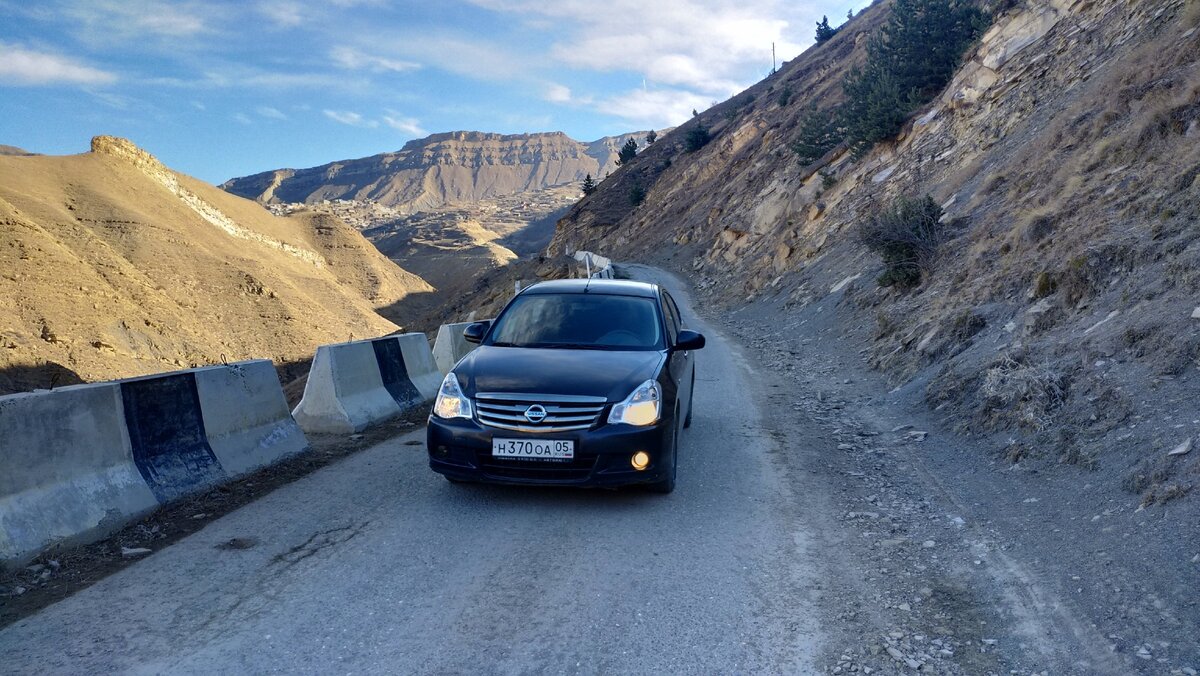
(689, 340)
(474, 332)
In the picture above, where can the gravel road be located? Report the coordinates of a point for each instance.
(377, 565)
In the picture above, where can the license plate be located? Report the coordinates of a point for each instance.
(533, 449)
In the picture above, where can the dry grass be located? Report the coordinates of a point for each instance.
(1026, 394)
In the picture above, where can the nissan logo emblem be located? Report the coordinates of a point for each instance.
(535, 413)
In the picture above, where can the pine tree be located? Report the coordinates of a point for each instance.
(696, 138)
(908, 63)
(824, 30)
(589, 185)
(651, 137)
(627, 153)
(820, 132)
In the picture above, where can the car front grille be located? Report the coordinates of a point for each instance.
(576, 469)
(564, 413)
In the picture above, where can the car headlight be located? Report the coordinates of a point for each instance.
(451, 403)
(642, 407)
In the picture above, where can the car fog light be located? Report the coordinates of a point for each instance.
(640, 460)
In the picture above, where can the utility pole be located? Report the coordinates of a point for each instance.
(772, 57)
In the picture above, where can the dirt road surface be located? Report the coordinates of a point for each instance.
(801, 539)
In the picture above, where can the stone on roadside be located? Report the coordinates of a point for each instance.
(131, 552)
(1182, 448)
(1196, 313)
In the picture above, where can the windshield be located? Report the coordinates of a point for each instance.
(580, 321)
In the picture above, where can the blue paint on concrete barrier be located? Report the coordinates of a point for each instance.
(166, 431)
(394, 373)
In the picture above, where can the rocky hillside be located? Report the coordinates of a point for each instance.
(1058, 319)
(441, 169)
(112, 265)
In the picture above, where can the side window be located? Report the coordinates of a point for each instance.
(671, 313)
(675, 309)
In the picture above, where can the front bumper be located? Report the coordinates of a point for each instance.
(462, 449)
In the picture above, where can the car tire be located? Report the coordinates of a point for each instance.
(667, 485)
(687, 422)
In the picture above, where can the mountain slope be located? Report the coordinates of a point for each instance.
(1058, 318)
(113, 266)
(441, 169)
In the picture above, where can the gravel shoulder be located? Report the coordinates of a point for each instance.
(942, 555)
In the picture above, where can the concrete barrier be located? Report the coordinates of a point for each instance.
(246, 417)
(594, 265)
(450, 346)
(352, 386)
(166, 431)
(67, 472)
(418, 360)
(79, 462)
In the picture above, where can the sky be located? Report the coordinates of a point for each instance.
(223, 89)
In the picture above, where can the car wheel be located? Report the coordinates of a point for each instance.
(687, 422)
(667, 485)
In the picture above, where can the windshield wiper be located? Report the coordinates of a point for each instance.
(569, 346)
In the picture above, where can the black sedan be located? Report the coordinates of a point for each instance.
(577, 382)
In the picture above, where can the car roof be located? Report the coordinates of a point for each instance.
(612, 287)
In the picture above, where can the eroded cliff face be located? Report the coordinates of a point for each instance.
(112, 265)
(1065, 154)
(442, 169)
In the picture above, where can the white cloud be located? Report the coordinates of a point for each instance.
(352, 59)
(114, 101)
(409, 125)
(656, 108)
(231, 76)
(242, 118)
(556, 93)
(351, 118)
(122, 21)
(20, 66)
(270, 113)
(172, 23)
(469, 55)
(703, 45)
(283, 14)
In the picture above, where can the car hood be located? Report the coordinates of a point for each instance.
(595, 373)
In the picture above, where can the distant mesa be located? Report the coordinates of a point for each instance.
(456, 167)
(13, 150)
